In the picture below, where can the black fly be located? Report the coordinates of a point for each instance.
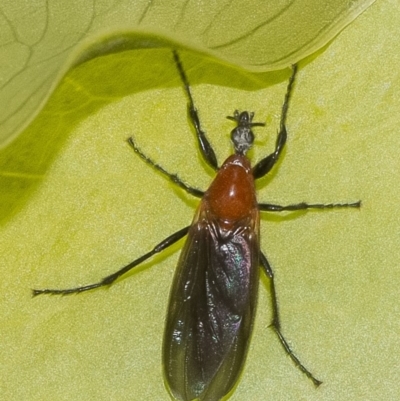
(214, 294)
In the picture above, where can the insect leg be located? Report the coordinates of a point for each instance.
(276, 324)
(266, 164)
(267, 207)
(173, 177)
(112, 277)
(205, 147)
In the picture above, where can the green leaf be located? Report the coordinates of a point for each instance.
(85, 205)
(41, 41)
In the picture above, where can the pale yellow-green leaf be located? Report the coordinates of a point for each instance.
(86, 205)
(41, 40)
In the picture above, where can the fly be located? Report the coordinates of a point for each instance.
(213, 297)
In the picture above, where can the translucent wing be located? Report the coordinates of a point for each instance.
(212, 307)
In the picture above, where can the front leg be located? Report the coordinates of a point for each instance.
(205, 146)
(266, 164)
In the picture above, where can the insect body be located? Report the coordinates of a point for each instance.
(214, 295)
(213, 298)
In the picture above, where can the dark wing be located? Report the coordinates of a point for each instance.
(211, 309)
